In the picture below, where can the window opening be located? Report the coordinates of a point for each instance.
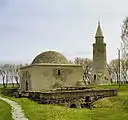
(73, 106)
(26, 85)
(58, 72)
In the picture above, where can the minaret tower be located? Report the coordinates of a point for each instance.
(100, 74)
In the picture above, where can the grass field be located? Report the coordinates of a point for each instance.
(114, 108)
(5, 111)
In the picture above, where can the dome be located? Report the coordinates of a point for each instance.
(50, 57)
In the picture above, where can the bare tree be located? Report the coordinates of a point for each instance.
(124, 50)
(14, 75)
(17, 76)
(87, 68)
(71, 62)
(110, 71)
(3, 73)
(10, 73)
(113, 69)
(124, 34)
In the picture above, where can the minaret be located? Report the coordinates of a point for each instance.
(100, 74)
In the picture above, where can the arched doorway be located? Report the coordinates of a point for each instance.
(94, 77)
(73, 106)
(26, 85)
(26, 81)
(87, 99)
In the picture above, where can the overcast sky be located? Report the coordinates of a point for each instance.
(29, 27)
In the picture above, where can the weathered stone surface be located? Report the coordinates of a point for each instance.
(50, 57)
(100, 73)
(70, 97)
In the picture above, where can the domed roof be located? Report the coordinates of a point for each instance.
(50, 57)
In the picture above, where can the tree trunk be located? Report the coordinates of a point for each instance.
(3, 78)
(12, 81)
(17, 82)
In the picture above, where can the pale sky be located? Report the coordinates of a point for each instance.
(29, 27)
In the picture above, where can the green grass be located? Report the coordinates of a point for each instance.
(35, 111)
(112, 108)
(5, 111)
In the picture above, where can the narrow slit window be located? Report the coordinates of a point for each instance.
(58, 72)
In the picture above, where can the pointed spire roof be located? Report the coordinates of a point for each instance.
(99, 31)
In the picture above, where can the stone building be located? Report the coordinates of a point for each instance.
(50, 70)
(100, 73)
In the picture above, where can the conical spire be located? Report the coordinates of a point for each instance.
(99, 31)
